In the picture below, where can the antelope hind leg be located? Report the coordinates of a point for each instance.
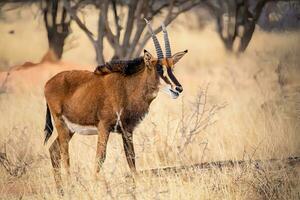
(55, 156)
(103, 135)
(64, 137)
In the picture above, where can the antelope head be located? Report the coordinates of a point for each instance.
(165, 65)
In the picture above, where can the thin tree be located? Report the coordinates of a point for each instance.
(56, 19)
(127, 41)
(236, 19)
(57, 23)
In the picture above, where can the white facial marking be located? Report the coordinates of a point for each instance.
(165, 71)
(80, 129)
(172, 93)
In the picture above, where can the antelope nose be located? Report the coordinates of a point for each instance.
(179, 89)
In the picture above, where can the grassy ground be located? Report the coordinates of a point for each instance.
(252, 112)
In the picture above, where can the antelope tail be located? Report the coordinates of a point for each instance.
(48, 126)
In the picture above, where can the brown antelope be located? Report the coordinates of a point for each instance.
(115, 97)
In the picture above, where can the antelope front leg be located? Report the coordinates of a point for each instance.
(101, 147)
(129, 150)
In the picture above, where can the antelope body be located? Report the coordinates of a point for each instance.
(114, 98)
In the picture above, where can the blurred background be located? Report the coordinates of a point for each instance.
(116, 29)
(241, 99)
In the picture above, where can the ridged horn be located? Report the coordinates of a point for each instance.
(167, 42)
(159, 52)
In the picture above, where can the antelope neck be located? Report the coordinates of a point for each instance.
(144, 85)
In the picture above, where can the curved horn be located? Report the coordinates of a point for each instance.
(167, 42)
(159, 52)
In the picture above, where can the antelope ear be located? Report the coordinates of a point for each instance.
(148, 58)
(177, 56)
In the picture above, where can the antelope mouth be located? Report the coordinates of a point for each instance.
(172, 93)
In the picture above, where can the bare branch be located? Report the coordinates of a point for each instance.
(291, 161)
(182, 7)
(140, 24)
(82, 4)
(129, 24)
(78, 21)
(116, 18)
(54, 7)
(198, 121)
(101, 30)
(97, 43)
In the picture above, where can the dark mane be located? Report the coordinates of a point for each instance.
(126, 67)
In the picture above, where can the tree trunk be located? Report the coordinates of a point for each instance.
(99, 54)
(57, 31)
(234, 14)
(226, 23)
(249, 21)
(56, 43)
(249, 28)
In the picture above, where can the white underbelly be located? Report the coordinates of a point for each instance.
(80, 129)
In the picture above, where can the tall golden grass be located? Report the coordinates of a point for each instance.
(260, 120)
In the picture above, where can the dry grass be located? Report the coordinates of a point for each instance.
(260, 121)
